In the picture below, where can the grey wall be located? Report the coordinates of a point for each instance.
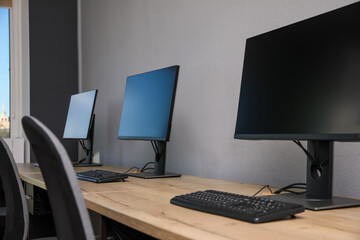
(53, 64)
(207, 39)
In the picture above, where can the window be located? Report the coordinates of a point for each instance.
(14, 74)
(4, 73)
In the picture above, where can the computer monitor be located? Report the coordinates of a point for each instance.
(302, 82)
(147, 112)
(80, 124)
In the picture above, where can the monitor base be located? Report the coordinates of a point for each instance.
(150, 175)
(316, 204)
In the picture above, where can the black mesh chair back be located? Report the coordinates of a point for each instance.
(17, 215)
(67, 203)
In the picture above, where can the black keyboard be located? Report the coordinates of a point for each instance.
(245, 208)
(101, 176)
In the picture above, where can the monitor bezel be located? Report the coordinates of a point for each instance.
(341, 137)
(91, 118)
(167, 137)
(332, 137)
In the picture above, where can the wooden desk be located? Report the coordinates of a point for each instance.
(145, 205)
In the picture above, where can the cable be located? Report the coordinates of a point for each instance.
(86, 150)
(156, 149)
(131, 169)
(285, 189)
(82, 144)
(293, 192)
(157, 152)
(312, 158)
(294, 185)
(151, 168)
(266, 186)
(137, 169)
(143, 168)
(81, 160)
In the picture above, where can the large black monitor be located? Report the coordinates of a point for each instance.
(80, 123)
(147, 112)
(302, 82)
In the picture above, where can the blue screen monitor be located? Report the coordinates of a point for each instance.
(79, 116)
(80, 122)
(147, 111)
(148, 104)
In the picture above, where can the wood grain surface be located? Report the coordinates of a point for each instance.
(145, 205)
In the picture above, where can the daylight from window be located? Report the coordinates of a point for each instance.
(4, 74)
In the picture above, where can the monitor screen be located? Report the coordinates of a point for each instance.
(79, 116)
(148, 104)
(302, 81)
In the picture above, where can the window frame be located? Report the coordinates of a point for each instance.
(19, 78)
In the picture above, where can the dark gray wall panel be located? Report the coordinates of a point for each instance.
(53, 63)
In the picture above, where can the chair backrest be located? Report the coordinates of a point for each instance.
(17, 215)
(67, 203)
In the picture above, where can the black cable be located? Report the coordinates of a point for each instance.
(293, 192)
(130, 169)
(314, 159)
(86, 150)
(143, 168)
(266, 186)
(82, 144)
(311, 157)
(157, 152)
(81, 160)
(151, 168)
(156, 147)
(153, 143)
(294, 185)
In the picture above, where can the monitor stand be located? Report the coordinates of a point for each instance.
(159, 168)
(88, 148)
(318, 181)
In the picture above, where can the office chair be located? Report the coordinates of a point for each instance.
(17, 215)
(2, 210)
(67, 203)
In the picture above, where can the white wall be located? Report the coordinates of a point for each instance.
(207, 39)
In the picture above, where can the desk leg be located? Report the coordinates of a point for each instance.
(103, 228)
